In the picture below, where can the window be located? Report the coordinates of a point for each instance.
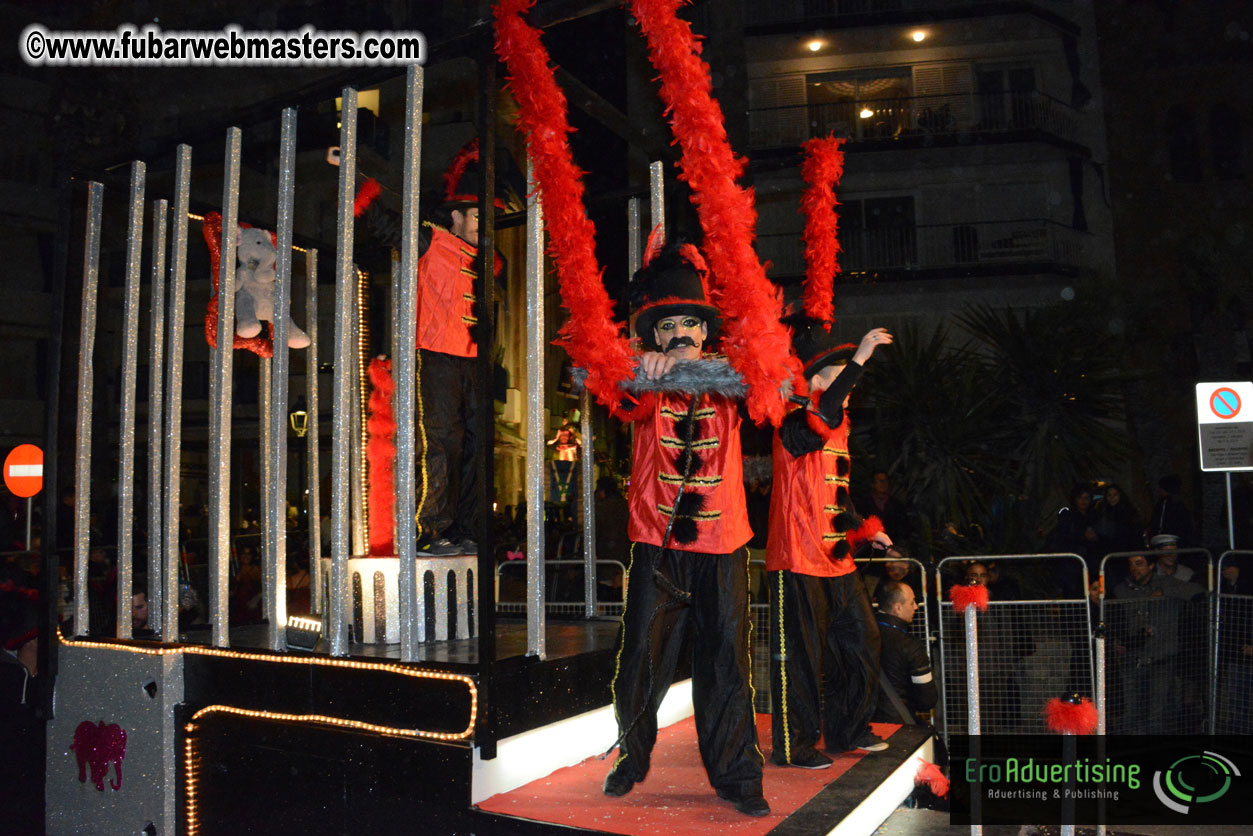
(865, 104)
(1006, 97)
(877, 232)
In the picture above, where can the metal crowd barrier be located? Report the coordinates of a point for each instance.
(565, 599)
(1232, 696)
(1029, 649)
(1158, 665)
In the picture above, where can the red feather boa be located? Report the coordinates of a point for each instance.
(1064, 717)
(369, 190)
(822, 169)
(381, 456)
(931, 775)
(590, 336)
(965, 596)
(756, 344)
(262, 346)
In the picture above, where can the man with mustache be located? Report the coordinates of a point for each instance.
(826, 628)
(688, 525)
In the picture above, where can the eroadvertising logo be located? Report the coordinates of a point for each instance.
(1119, 780)
(1194, 779)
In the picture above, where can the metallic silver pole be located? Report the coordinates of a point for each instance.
(656, 195)
(536, 432)
(588, 475)
(635, 245)
(156, 368)
(126, 432)
(266, 496)
(336, 628)
(972, 703)
(86, 376)
(220, 403)
(312, 434)
(1099, 652)
(174, 392)
(274, 574)
(404, 349)
(1231, 520)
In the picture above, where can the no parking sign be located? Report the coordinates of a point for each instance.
(1224, 417)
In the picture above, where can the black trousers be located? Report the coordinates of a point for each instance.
(826, 642)
(654, 626)
(448, 446)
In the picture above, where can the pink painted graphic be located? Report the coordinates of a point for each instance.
(98, 747)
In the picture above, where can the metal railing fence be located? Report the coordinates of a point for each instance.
(1029, 651)
(1232, 698)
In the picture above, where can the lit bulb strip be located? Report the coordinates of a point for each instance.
(416, 673)
(191, 772)
(363, 394)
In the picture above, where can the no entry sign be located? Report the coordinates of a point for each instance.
(24, 470)
(1224, 417)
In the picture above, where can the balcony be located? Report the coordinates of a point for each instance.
(938, 250)
(806, 12)
(884, 122)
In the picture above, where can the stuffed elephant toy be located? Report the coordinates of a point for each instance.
(254, 287)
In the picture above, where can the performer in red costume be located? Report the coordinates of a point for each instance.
(818, 602)
(688, 525)
(449, 507)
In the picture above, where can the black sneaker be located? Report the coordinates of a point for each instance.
(870, 742)
(468, 546)
(752, 804)
(618, 783)
(443, 547)
(810, 759)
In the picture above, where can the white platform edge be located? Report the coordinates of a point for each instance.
(876, 807)
(532, 755)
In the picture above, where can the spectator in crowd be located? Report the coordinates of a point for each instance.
(907, 685)
(977, 573)
(1002, 585)
(1167, 546)
(139, 608)
(21, 731)
(1170, 515)
(883, 504)
(246, 589)
(899, 571)
(298, 583)
(1118, 526)
(1230, 581)
(1075, 532)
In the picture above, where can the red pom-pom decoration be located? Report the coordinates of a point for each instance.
(822, 169)
(1072, 715)
(964, 596)
(381, 456)
(933, 777)
(369, 190)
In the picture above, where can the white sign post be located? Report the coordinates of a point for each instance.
(1224, 422)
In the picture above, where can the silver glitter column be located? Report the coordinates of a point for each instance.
(536, 432)
(312, 488)
(174, 392)
(404, 326)
(220, 403)
(588, 475)
(657, 195)
(336, 622)
(86, 374)
(264, 494)
(1098, 655)
(126, 432)
(156, 367)
(274, 573)
(635, 245)
(972, 702)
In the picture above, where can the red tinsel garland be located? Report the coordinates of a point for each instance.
(822, 169)
(590, 336)
(931, 775)
(262, 346)
(756, 344)
(381, 457)
(369, 190)
(964, 596)
(1065, 717)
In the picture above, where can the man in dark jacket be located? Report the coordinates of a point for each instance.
(904, 666)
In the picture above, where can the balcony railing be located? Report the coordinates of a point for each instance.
(799, 11)
(890, 120)
(934, 247)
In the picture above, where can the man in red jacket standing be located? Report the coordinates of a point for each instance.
(818, 603)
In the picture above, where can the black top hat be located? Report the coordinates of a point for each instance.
(815, 346)
(669, 285)
(464, 180)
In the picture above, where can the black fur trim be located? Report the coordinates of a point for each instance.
(841, 465)
(685, 530)
(845, 522)
(841, 550)
(693, 377)
(687, 462)
(690, 504)
(841, 496)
